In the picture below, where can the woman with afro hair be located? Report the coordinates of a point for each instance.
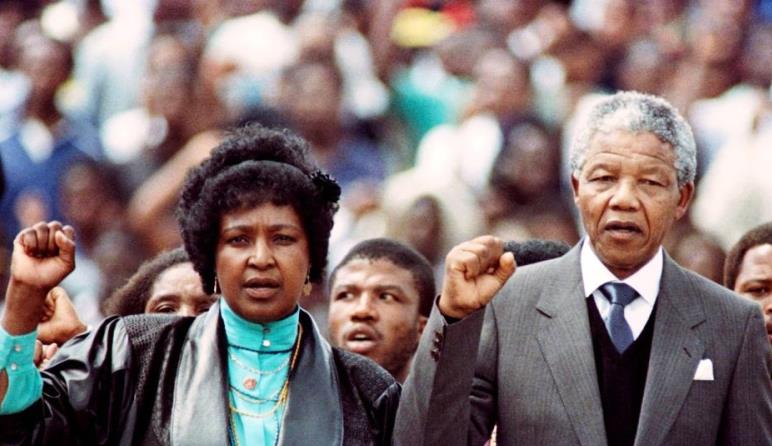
(253, 370)
(167, 283)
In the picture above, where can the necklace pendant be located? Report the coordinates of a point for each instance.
(250, 383)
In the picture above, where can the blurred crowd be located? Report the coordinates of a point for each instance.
(441, 120)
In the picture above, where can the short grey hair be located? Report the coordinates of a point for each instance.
(637, 112)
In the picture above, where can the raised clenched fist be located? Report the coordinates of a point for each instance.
(43, 255)
(474, 272)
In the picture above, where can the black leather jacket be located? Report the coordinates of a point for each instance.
(159, 380)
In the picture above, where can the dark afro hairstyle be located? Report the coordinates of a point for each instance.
(255, 165)
(132, 297)
(760, 235)
(402, 256)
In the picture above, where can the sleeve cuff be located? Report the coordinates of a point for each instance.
(16, 351)
(24, 382)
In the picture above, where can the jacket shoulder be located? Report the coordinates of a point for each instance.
(147, 329)
(366, 375)
(369, 397)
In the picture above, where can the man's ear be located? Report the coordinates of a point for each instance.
(685, 195)
(422, 320)
(575, 187)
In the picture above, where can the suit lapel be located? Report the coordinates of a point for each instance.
(564, 339)
(199, 414)
(675, 352)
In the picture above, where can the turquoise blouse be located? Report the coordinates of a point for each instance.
(259, 358)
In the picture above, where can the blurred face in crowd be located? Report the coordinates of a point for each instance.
(756, 59)
(46, 63)
(262, 261)
(642, 68)
(168, 95)
(628, 195)
(617, 23)
(374, 312)
(501, 84)
(702, 255)
(316, 36)
(460, 51)
(311, 96)
(178, 290)
(691, 81)
(754, 280)
(580, 59)
(530, 163)
(167, 83)
(423, 227)
(716, 40)
(166, 53)
(89, 200)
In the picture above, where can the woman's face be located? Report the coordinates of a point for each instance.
(262, 261)
(177, 290)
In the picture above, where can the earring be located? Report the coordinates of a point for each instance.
(216, 286)
(307, 286)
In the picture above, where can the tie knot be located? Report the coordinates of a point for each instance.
(618, 293)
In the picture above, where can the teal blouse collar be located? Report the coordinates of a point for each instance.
(274, 336)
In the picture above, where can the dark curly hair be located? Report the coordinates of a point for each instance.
(252, 166)
(132, 297)
(402, 256)
(760, 235)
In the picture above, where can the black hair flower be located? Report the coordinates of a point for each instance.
(326, 186)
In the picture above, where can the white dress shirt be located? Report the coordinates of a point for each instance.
(645, 282)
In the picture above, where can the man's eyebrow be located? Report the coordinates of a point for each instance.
(389, 286)
(755, 279)
(601, 165)
(344, 285)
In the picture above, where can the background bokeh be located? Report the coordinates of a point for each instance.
(442, 120)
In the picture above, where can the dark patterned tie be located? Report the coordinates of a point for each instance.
(619, 294)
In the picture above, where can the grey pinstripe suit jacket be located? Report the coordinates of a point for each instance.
(535, 376)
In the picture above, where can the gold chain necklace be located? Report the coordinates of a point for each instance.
(258, 371)
(251, 399)
(283, 395)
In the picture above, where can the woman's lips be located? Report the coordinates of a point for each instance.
(261, 288)
(260, 292)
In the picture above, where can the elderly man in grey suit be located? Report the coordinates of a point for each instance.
(612, 343)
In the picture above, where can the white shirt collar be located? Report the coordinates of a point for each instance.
(645, 281)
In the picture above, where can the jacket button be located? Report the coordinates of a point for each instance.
(435, 354)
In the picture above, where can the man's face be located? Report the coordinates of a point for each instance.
(754, 280)
(628, 195)
(374, 312)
